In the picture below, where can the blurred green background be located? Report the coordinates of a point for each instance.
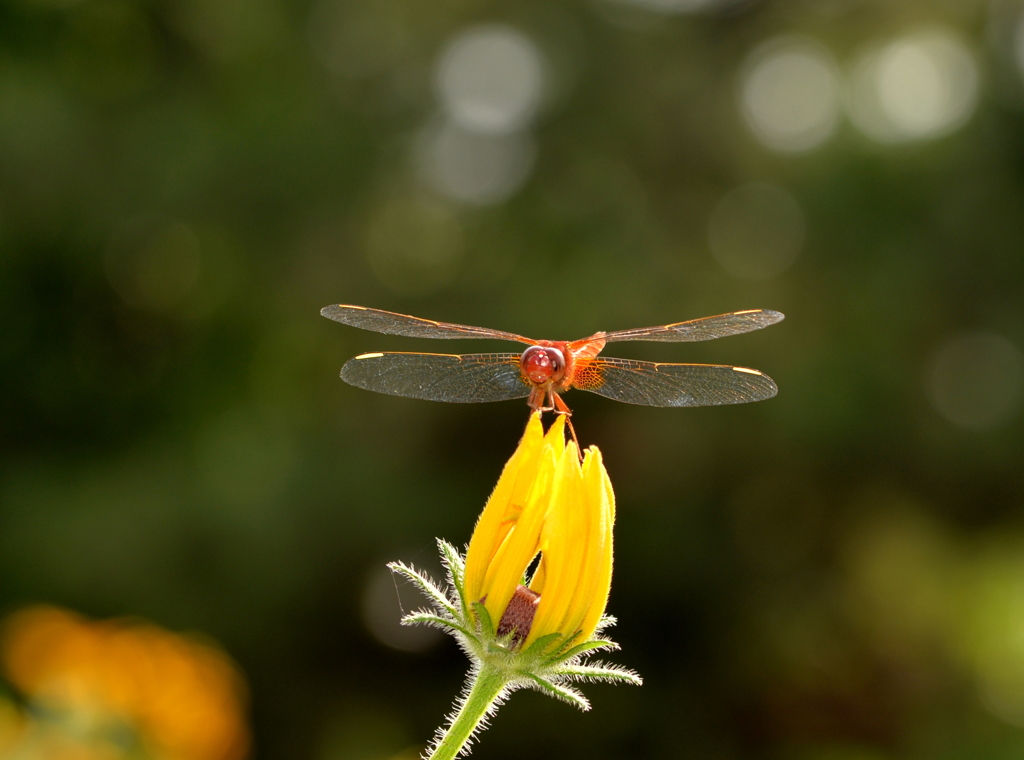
(836, 573)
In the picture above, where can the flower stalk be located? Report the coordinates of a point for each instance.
(485, 687)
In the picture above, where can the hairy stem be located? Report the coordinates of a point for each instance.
(488, 684)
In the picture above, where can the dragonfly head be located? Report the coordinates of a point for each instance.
(541, 364)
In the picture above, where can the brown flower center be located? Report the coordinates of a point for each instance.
(518, 615)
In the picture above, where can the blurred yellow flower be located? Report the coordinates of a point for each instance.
(546, 502)
(183, 698)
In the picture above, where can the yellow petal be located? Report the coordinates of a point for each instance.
(522, 543)
(563, 547)
(502, 508)
(574, 576)
(598, 485)
(555, 437)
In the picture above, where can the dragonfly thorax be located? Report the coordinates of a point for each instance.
(542, 365)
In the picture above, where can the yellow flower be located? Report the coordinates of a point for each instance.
(554, 511)
(550, 503)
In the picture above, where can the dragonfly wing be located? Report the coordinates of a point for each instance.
(411, 327)
(466, 379)
(653, 384)
(706, 328)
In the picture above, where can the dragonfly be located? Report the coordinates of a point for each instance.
(548, 368)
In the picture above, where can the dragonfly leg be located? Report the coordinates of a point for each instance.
(536, 400)
(560, 407)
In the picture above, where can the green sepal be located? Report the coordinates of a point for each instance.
(562, 652)
(594, 645)
(600, 671)
(455, 567)
(546, 665)
(565, 693)
(484, 619)
(606, 621)
(438, 598)
(423, 617)
(537, 647)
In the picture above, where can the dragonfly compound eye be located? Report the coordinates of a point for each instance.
(541, 365)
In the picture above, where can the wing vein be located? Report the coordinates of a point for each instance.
(662, 384)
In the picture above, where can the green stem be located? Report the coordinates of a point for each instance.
(487, 686)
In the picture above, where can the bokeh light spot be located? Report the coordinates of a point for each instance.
(756, 231)
(414, 245)
(474, 168)
(976, 380)
(923, 85)
(385, 599)
(789, 94)
(491, 79)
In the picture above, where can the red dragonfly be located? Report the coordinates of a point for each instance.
(550, 367)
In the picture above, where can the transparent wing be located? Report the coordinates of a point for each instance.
(706, 328)
(465, 379)
(412, 327)
(652, 384)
